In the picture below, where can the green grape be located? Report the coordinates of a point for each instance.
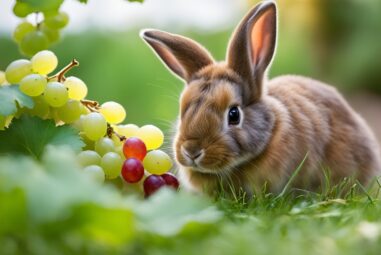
(95, 172)
(44, 62)
(116, 140)
(33, 84)
(17, 70)
(57, 21)
(21, 9)
(2, 77)
(152, 136)
(70, 112)
(119, 150)
(112, 165)
(40, 109)
(94, 126)
(88, 158)
(52, 34)
(113, 112)
(21, 30)
(129, 130)
(104, 145)
(157, 162)
(34, 42)
(77, 88)
(77, 125)
(56, 94)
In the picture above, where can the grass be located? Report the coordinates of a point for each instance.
(341, 219)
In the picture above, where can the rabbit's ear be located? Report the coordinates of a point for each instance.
(252, 46)
(181, 55)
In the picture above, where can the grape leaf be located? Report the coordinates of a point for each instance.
(30, 135)
(11, 97)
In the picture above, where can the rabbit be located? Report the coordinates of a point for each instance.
(239, 131)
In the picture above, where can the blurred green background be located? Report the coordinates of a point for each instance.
(335, 41)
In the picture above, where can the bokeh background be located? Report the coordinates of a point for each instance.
(336, 41)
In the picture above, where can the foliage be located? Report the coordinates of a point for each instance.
(51, 206)
(11, 98)
(30, 135)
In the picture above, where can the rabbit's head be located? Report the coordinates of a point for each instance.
(224, 120)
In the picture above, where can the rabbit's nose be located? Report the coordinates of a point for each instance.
(192, 153)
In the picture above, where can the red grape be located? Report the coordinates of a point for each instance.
(132, 170)
(134, 148)
(170, 180)
(152, 183)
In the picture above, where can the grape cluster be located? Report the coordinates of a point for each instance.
(33, 38)
(113, 150)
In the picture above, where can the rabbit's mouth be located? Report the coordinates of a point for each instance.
(222, 168)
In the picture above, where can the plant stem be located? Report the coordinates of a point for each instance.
(61, 74)
(111, 131)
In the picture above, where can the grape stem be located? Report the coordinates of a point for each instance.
(61, 74)
(111, 131)
(93, 106)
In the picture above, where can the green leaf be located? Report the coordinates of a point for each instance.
(168, 213)
(30, 135)
(140, 1)
(82, 1)
(11, 97)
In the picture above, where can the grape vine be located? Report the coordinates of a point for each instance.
(112, 150)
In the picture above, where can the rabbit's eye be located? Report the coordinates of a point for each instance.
(233, 116)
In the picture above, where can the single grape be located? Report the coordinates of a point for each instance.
(112, 164)
(57, 21)
(104, 145)
(134, 148)
(119, 150)
(152, 184)
(171, 180)
(44, 62)
(116, 140)
(157, 162)
(52, 34)
(2, 77)
(70, 112)
(33, 84)
(113, 112)
(40, 109)
(56, 94)
(21, 30)
(95, 172)
(17, 70)
(152, 136)
(21, 9)
(34, 42)
(129, 130)
(94, 125)
(132, 170)
(89, 157)
(77, 88)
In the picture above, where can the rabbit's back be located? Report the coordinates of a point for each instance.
(312, 117)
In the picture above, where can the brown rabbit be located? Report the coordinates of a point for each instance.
(238, 130)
